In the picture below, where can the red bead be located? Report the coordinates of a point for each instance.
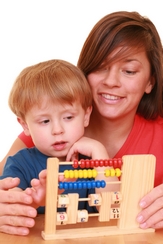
(75, 164)
(115, 164)
(87, 164)
(82, 163)
(119, 162)
(91, 163)
(96, 163)
(101, 163)
(106, 163)
(111, 162)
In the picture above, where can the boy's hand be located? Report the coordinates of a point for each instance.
(87, 147)
(38, 189)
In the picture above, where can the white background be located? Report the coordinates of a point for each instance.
(32, 31)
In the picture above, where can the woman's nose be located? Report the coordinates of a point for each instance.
(111, 78)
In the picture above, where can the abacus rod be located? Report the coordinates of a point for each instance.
(93, 214)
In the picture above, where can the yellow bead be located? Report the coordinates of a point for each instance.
(71, 173)
(76, 175)
(90, 173)
(94, 173)
(66, 174)
(107, 172)
(117, 172)
(80, 173)
(85, 173)
(112, 172)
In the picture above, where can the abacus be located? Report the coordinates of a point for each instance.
(117, 211)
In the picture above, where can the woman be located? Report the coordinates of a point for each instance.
(122, 60)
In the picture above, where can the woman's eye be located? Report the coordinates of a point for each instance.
(129, 72)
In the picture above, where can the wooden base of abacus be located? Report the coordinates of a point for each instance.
(137, 179)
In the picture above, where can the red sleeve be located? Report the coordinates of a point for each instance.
(27, 140)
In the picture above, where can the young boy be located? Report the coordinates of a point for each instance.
(52, 101)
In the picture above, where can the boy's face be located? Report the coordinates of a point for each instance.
(54, 128)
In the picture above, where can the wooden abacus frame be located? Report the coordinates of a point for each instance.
(137, 179)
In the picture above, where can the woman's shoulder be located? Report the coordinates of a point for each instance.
(158, 122)
(27, 140)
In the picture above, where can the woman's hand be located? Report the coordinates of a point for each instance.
(151, 215)
(16, 217)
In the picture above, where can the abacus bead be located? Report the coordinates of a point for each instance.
(91, 163)
(93, 184)
(66, 174)
(85, 174)
(112, 172)
(76, 175)
(107, 172)
(75, 186)
(106, 162)
(84, 184)
(61, 185)
(82, 163)
(89, 184)
(65, 185)
(75, 164)
(79, 185)
(117, 172)
(87, 164)
(89, 173)
(101, 163)
(98, 185)
(96, 163)
(80, 173)
(70, 185)
(94, 173)
(103, 184)
(110, 162)
(115, 163)
(71, 173)
(119, 162)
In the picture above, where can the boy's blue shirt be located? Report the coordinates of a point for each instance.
(28, 163)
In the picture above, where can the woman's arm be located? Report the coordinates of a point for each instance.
(16, 214)
(16, 146)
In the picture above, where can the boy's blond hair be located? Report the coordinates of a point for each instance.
(59, 80)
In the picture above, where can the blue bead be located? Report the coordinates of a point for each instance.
(75, 186)
(79, 184)
(98, 185)
(93, 184)
(103, 184)
(89, 184)
(61, 185)
(65, 184)
(70, 185)
(84, 184)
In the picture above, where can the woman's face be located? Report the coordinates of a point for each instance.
(117, 89)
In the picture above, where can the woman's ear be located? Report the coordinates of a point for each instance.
(150, 85)
(24, 125)
(87, 116)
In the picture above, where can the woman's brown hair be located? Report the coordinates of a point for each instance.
(130, 31)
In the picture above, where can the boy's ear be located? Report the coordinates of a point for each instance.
(24, 125)
(87, 116)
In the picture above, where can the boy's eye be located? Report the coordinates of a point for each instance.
(45, 121)
(68, 117)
